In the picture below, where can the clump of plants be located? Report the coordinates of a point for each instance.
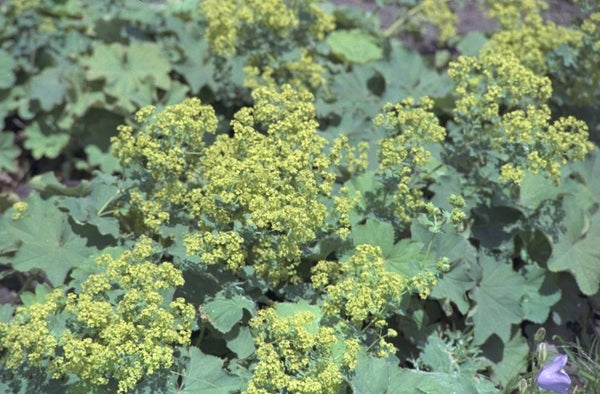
(296, 201)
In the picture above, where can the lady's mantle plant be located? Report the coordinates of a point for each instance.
(252, 199)
(501, 108)
(120, 327)
(299, 354)
(263, 31)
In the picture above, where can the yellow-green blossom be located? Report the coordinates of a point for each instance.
(265, 30)
(411, 126)
(19, 209)
(522, 132)
(118, 327)
(526, 34)
(297, 354)
(569, 55)
(441, 16)
(270, 180)
(360, 289)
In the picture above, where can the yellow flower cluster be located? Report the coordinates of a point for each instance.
(582, 80)
(167, 151)
(521, 130)
(411, 126)
(526, 34)
(492, 80)
(103, 341)
(423, 283)
(296, 354)
(19, 209)
(17, 7)
(533, 40)
(360, 288)
(269, 182)
(224, 246)
(28, 337)
(441, 16)
(273, 175)
(264, 30)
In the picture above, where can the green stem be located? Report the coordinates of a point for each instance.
(107, 203)
(393, 29)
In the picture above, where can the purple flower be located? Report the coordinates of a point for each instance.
(552, 376)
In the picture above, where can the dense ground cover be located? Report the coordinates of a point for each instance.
(281, 196)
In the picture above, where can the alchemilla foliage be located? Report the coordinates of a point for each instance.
(281, 197)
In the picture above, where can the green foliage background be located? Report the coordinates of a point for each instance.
(281, 197)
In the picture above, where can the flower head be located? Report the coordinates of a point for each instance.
(552, 376)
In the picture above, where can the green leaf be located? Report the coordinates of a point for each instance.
(577, 249)
(38, 297)
(495, 226)
(131, 73)
(380, 376)
(43, 141)
(540, 294)
(471, 43)
(6, 312)
(437, 356)
(92, 208)
(48, 185)
(48, 88)
(498, 298)
(372, 375)
(376, 233)
(7, 67)
(289, 309)
(512, 356)
(465, 271)
(96, 158)
(405, 257)
(47, 241)
(8, 151)
(194, 69)
(589, 171)
(406, 74)
(205, 374)
(354, 46)
(223, 312)
(239, 341)
(368, 185)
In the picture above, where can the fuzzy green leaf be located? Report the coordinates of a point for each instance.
(379, 376)
(376, 233)
(540, 294)
(577, 249)
(465, 271)
(471, 43)
(498, 297)
(8, 151)
(47, 241)
(512, 356)
(7, 66)
(92, 208)
(49, 88)
(240, 342)
(404, 258)
(223, 312)
(131, 73)
(589, 171)
(43, 141)
(413, 78)
(354, 46)
(205, 374)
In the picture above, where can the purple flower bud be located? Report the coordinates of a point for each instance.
(552, 376)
